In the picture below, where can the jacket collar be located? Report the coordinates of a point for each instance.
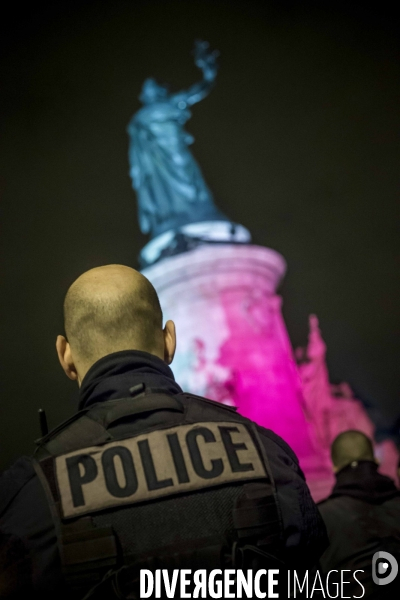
(361, 480)
(113, 375)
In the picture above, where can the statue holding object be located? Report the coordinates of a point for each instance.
(170, 187)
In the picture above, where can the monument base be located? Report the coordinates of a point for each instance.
(233, 347)
(232, 341)
(182, 239)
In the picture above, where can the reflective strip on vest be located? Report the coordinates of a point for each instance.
(160, 463)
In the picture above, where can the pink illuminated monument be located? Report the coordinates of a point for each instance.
(220, 290)
(234, 348)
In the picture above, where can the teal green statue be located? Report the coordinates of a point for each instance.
(168, 181)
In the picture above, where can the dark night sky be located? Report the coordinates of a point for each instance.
(299, 142)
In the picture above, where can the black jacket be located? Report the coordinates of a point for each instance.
(27, 533)
(362, 517)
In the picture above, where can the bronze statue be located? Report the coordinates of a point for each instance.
(168, 181)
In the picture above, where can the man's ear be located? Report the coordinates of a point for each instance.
(169, 342)
(65, 357)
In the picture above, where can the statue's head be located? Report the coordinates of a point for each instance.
(153, 92)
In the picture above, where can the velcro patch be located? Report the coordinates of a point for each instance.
(164, 462)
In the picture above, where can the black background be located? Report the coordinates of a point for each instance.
(299, 142)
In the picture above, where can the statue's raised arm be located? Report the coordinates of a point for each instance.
(206, 60)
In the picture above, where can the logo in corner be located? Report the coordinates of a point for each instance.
(381, 574)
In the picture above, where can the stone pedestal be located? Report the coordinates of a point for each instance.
(232, 342)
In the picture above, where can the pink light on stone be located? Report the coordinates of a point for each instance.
(266, 383)
(233, 347)
(232, 341)
(333, 408)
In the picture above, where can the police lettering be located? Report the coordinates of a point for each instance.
(163, 462)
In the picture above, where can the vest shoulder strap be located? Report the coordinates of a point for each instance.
(213, 403)
(90, 426)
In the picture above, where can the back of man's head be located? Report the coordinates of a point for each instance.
(351, 446)
(109, 309)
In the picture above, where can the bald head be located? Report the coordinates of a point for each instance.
(351, 446)
(109, 309)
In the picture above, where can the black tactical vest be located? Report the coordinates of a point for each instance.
(196, 492)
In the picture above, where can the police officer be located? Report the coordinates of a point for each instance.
(144, 475)
(362, 516)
